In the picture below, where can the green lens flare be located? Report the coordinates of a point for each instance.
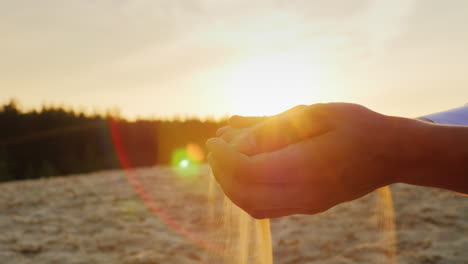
(183, 163)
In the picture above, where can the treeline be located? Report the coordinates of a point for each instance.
(55, 141)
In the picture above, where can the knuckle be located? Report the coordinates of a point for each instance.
(221, 130)
(226, 137)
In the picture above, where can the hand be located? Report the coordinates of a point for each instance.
(319, 156)
(253, 135)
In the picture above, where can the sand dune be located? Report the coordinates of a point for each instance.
(99, 218)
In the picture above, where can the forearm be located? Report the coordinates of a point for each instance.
(432, 155)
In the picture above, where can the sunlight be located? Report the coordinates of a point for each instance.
(269, 84)
(184, 163)
(186, 160)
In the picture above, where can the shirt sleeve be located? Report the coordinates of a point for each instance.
(456, 116)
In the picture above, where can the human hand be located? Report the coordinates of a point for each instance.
(258, 134)
(318, 156)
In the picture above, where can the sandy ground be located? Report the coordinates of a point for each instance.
(99, 218)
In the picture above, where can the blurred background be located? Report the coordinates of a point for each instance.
(67, 67)
(56, 141)
(209, 58)
(116, 99)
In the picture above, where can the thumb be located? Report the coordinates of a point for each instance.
(238, 121)
(246, 143)
(279, 131)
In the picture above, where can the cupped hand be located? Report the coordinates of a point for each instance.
(306, 161)
(253, 135)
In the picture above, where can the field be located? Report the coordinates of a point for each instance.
(101, 218)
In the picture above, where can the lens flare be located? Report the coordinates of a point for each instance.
(185, 162)
(195, 152)
(145, 196)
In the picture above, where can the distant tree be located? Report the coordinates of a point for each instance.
(29, 172)
(90, 162)
(11, 107)
(4, 173)
(59, 141)
(47, 170)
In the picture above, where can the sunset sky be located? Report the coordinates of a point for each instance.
(211, 58)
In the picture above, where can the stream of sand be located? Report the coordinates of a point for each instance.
(246, 240)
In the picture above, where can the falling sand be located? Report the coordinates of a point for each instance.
(244, 239)
(247, 240)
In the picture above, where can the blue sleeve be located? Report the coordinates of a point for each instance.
(456, 116)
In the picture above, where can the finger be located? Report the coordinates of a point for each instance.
(214, 168)
(298, 172)
(275, 167)
(232, 171)
(280, 131)
(227, 185)
(246, 143)
(278, 180)
(251, 197)
(302, 163)
(227, 156)
(222, 130)
(238, 121)
(231, 188)
(209, 158)
(231, 134)
(221, 177)
(242, 141)
(278, 167)
(272, 181)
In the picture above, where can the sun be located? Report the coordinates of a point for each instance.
(269, 84)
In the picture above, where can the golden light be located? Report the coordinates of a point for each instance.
(269, 84)
(195, 152)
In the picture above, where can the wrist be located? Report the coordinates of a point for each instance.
(409, 149)
(429, 154)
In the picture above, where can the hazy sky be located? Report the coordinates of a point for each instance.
(212, 57)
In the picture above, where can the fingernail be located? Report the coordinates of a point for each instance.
(207, 143)
(220, 131)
